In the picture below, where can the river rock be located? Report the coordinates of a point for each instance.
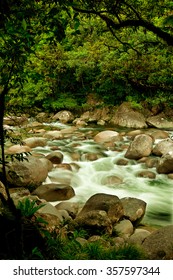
(53, 135)
(64, 116)
(124, 228)
(51, 222)
(112, 180)
(17, 149)
(94, 219)
(55, 157)
(33, 142)
(158, 245)
(69, 131)
(122, 161)
(61, 176)
(79, 122)
(48, 208)
(14, 120)
(20, 194)
(133, 133)
(71, 207)
(96, 115)
(157, 134)
(134, 209)
(140, 147)
(163, 147)
(151, 162)
(27, 173)
(146, 174)
(170, 176)
(138, 236)
(126, 116)
(42, 117)
(160, 121)
(111, 204)
(165, 164)
(91, 156)
(34, 124)
(106, 136)
(54, 192)
(65, 166)
(47, 163)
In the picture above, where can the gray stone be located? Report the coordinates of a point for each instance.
(134, 209)
(28, 173)
(159, 244)
(163, 147)
(64, 116)
(33, 142)
(140, 147)
(54, 192)
(124, 228)
(138, 236)
(126, 116)
(106, 136)
(111, 204)
(146, 174)
(165, 164)
(160, 121)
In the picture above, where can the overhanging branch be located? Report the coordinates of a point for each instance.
(139, 22)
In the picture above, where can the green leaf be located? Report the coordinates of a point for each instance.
(76, 24)
(168, 20)
(24, 24)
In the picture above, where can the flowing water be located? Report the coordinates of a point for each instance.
(88, 177)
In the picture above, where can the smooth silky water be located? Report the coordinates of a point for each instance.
(88, 179)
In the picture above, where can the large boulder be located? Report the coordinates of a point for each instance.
(14, 120)
(28, 173)
(140, 147)
(111, 204)
(126, 116)
(158, 133)
(160, 121)
(134, 209)
(163, 147)
(17, 149)
(165, 164)
(64, 116)
(159, 244)
(106, 136)
(96, 115)
(54, 192)
(42, 117)
(94, 219)
(33, 142)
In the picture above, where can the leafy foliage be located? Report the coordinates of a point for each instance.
(71, 249)
(28, 207)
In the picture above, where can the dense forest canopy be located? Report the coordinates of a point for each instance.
(54, 53)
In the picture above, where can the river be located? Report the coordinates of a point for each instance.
(88, 176)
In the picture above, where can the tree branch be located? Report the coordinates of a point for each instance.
(139, 22)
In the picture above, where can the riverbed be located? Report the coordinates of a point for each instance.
(88, 175)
